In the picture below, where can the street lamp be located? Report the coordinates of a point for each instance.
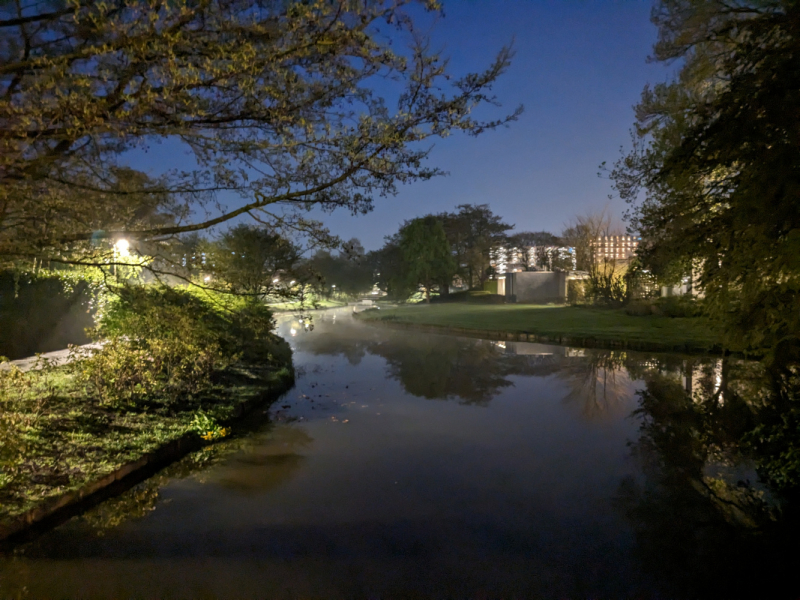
(121, 250)
(122, 246)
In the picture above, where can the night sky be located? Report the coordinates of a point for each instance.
(580, 66)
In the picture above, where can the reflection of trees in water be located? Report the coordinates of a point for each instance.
(433, 366)
(705, 524)
(446, 367)
(599, 383)
(267, 462)
(274, 451)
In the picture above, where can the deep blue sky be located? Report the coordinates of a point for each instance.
(580, 66)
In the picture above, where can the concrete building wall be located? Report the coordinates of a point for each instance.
(536, 287)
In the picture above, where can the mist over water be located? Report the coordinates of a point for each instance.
(407, 464)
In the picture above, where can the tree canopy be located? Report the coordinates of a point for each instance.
(472, 231)
(427, 260)
(714, 174)
(285, 103)
(252, 261)
(347, 272)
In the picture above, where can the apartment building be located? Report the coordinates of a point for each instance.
(615, 247)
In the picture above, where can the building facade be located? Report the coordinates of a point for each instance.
(532, 258)
(615, 247)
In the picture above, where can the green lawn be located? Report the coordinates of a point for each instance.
(290, 306)
(589, 326)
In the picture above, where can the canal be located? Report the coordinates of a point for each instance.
(418, 465)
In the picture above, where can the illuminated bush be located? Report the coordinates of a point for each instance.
(160, 343)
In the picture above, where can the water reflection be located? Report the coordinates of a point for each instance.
(257, 459)
(718, 448)
(446, 367)
(584, 474)
(714, 509)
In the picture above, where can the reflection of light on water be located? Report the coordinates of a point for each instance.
(718, 381)
(293, 332)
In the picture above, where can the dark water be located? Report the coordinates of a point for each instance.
(412, 465)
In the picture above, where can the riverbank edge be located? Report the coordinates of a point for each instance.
(285, 311)
(524, 336)
(58, 509)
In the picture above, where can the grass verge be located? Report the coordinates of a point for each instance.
(582, 326)
(55, 440)
(317, 304)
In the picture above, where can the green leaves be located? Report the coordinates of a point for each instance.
(426, 255)
(279, 102)
(716, 154)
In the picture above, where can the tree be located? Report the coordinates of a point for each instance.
(714, 175)
(249, 260)
(277, 101)
(606, 282)
(472, 232)
(527, 239)
(582, 234)
(536, 247)
(389, 267)
(426, 254)
(348, 272)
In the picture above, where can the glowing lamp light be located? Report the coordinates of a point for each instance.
(333, 286)
(293, 332)
(291, 282)
(122, 247)
(276, 280)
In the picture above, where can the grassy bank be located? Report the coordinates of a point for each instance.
(573, 325)
(173, 368)
(56, 440)
(294, 306)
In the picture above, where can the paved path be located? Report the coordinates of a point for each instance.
(57, 357)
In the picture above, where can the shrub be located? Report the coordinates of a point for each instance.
(160, 343)
(679, 306)
(639, 308)
(207, 427)
(672, 306)
(576, 291)
(472, 296)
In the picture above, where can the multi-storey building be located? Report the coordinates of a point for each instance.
(615, 247)
(532, 258)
